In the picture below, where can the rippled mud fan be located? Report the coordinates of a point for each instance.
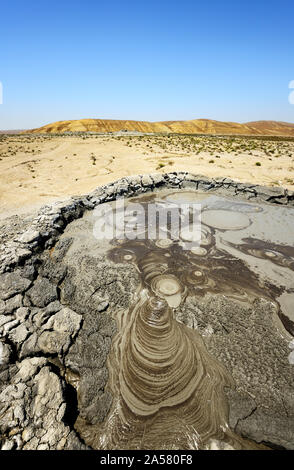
(169, 391)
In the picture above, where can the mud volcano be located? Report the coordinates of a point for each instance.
(151, 343)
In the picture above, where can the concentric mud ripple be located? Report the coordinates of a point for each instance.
(225, 220)
(168, 390)
(280, 255)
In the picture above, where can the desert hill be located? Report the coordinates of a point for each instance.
(272, 127)
(195, 126)
(101, 125)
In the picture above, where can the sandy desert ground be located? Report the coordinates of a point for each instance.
(37, 169)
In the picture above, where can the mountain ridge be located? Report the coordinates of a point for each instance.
(193, 126)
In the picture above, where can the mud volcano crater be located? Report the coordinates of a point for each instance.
(151, 343)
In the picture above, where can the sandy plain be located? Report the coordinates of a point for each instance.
(39, 169)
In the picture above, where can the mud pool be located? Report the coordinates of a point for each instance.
(170, 385)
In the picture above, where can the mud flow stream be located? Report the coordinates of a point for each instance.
(168, 390)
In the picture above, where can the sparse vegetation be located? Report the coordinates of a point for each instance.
(160, 165)
(26, 157)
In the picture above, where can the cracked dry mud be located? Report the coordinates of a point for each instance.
(144, 344)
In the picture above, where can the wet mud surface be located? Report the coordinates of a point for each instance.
(168, 388)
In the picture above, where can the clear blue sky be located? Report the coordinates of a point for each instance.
(155, 60)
